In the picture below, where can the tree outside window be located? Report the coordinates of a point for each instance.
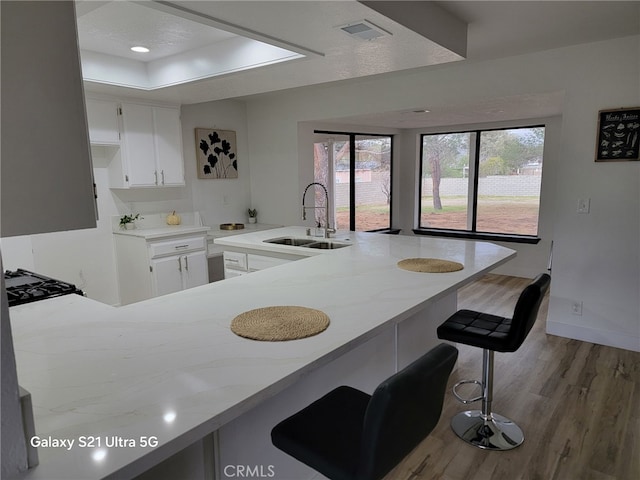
(482, 181)
(356, 169)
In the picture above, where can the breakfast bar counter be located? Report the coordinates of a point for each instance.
(117, 391)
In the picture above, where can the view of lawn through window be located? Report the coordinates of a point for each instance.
(485, 181)
(358, 182)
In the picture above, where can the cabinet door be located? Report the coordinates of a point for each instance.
(47, 177)
(102, 118)
(138, 145)
(195, 271)
(167, 275)
(168, 146)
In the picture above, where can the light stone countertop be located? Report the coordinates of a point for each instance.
(255, 241)
(216, 232)
(164, 231)
(170, 367)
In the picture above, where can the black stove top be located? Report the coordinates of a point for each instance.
(24, 286)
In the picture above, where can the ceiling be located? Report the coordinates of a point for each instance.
(308, 48)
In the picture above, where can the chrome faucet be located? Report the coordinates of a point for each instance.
(327, 230)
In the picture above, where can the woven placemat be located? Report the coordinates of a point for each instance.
(279, 323)
(429, 265)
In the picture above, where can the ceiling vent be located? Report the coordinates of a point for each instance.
(363, 30)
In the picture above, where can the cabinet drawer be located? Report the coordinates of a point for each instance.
(176, 246)
(235, 260)
(260, 262)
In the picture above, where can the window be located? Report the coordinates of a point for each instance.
(482, 182)
(356, 169)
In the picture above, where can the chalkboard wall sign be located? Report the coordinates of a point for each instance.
(618, 135)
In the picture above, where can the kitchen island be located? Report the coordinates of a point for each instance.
(156, 377)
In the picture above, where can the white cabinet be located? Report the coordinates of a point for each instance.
(168, 146)
(166, 274)
(178, 272)
(152, 267)
(235, 264)
(102, 118)
(260, 262)
(151, 153)
(240, 263)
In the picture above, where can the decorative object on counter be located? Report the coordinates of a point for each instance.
(429, 265)
(253, 215)
(618, 137)
(127, 222)
(173, 219)
(280, 323)
(216, 153)
(231, 226)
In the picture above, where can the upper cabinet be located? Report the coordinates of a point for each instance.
(102, 117)
(47, 175)
(168, 145)
(151, 147)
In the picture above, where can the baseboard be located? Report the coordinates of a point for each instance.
(600, 337)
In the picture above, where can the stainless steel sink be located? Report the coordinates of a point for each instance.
(291, 241)
(326, 245)
(306, 242)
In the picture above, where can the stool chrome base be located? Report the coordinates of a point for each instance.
(489, 432)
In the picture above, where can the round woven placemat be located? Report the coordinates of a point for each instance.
(429, 265)
(273, 324)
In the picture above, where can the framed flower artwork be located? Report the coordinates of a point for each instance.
(216, 153)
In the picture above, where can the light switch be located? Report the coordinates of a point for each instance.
(584, 205)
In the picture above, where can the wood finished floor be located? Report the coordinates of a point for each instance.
(577, 403)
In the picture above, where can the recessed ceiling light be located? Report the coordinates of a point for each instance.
(422, 111)
(140, 49)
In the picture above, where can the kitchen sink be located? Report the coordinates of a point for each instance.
(326, 245)
(291, 241)
(307, 243)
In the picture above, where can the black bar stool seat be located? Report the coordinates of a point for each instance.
(348, 434)
(492, 333)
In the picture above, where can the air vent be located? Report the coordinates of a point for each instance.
(363, 30)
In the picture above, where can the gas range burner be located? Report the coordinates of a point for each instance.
(24, 286)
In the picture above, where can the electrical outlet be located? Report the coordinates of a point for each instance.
(576, 308)
(584, 205)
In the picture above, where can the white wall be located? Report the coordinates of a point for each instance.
(595, 256)
(223, 200)
(82, 257)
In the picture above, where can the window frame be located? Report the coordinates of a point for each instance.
(352, 174)
(472, 190)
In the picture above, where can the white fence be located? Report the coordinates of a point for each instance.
(498, 185)
(371, 193)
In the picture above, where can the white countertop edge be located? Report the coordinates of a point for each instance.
(160, 232)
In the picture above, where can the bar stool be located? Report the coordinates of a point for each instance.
(348, 434)
(484, 428)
